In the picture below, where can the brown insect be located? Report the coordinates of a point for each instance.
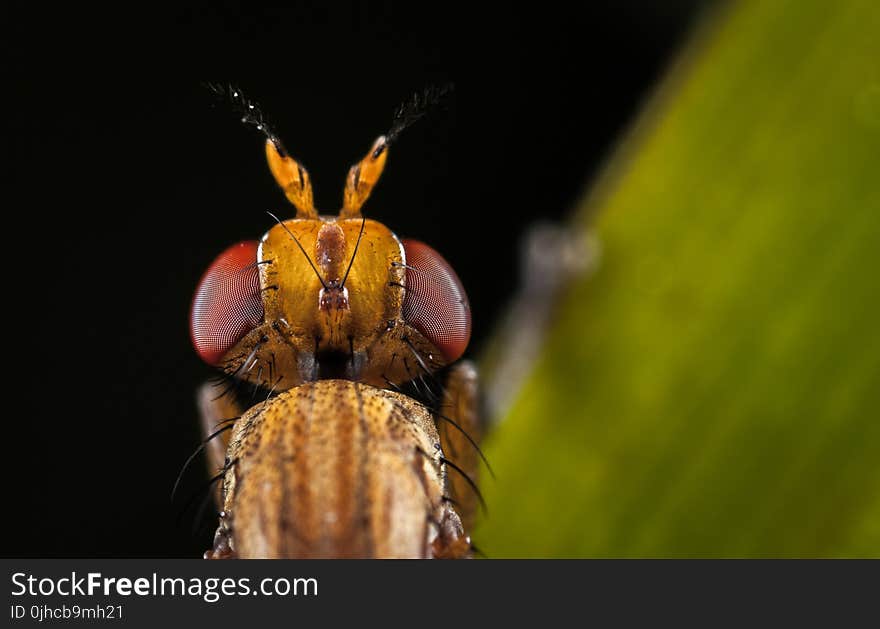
(364, 440)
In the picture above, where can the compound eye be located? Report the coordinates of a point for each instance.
(227, 304)
(435, 303)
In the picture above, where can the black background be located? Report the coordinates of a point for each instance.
(126, 180)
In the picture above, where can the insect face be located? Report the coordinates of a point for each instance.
(330, 297)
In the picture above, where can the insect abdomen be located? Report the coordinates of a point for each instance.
(335, 468)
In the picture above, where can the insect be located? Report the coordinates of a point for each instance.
(362, 441)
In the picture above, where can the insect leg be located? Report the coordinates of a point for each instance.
(460, 428)
(552, 256)
(213, 411)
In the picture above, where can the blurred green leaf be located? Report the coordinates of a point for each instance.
(713, 389)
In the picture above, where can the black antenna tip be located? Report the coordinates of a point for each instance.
(411, 111)
(250, 111)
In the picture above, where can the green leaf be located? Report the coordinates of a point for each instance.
(713, 388)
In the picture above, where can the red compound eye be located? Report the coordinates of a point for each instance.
(227, 303)
(435, 303)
